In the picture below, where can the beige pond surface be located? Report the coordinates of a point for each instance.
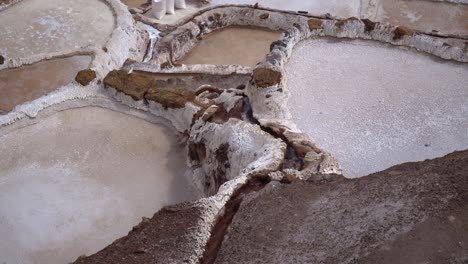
(44, 26)
(340, 8)
(425, 15)
(134, 3)
(27, 83)
(233, 45)
(374, 106)
(79, 179)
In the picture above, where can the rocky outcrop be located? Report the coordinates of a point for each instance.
(170, 97)
(134, 84)
(266, 77)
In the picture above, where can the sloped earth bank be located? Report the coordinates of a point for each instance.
(77, 180)
(27, 83)
(374, 106)
(238, 137)
(410, 213)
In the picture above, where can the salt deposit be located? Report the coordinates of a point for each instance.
(374, 106)
(79, 179)
(52, 26)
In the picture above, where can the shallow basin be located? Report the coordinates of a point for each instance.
(233, 45)
(30, 82)
(374, 106)
(47, 26)
(425, 15)
(79, 179)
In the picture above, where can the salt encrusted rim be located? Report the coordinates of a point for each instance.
(269, 104)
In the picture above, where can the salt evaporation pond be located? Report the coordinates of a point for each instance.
(374, 106)
(29, 82)
(43, 26)
(233, 45)
(79, 179)
(340, 8)
(425, 15)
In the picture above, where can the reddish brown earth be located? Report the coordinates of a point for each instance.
(410, 213)
(165, 238)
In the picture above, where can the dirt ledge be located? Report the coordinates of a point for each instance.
(410, 213)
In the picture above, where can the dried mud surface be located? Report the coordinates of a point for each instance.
(410, 213)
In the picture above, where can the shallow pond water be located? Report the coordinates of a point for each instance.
(233, 45)
(29, 82)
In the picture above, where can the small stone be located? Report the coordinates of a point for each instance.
(314, 24)
(264, 16)
(266, 77)
(105, 49)
(2, 59)
(241, 87)
(84, 77)
(278, 43)
(369, 25)
(402, 31)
